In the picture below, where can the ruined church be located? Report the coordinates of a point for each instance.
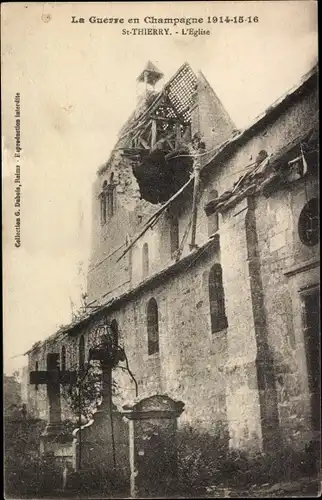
(205, 263)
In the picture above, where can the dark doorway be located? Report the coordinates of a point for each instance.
(311, 303)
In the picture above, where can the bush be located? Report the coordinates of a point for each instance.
(85, 482)
(26, 474)
(39, 478)
(199, 459)
(205, 461)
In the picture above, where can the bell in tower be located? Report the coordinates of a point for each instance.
(148, 79)
(150, 76)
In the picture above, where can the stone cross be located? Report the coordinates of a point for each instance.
(104, 426)
(107, 362)
(53, 377)
(109, 354)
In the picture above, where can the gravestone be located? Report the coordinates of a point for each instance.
(153, 448)
(102, 444)
(100, 448)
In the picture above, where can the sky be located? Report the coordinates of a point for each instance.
(77, 85)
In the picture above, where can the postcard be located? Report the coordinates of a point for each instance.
(161, 249)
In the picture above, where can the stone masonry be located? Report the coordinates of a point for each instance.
(250, 378)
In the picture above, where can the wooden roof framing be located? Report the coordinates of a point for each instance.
(162, 122)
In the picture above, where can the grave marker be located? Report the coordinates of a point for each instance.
(53, 378)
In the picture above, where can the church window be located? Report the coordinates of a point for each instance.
(145, 260)
(81, 353)
(103, 203)
(308, 227)
(111, 197)
(108, 199)
(174, 234)
(217, 299)
(213, 218)
(153, 327)
(63, 358)
(115, 331)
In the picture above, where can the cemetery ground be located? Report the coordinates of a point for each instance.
(205, 469)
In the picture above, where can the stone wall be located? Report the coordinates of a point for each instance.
(278, 248)
(283, 253)
(209, 117)
(296, 120)
(255, 371)
(190, 363)
(243, 390)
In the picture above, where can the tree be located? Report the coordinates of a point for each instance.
(11, 392)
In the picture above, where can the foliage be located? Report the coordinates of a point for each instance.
(25, 473)
(42, 477)
(91, 482)
(84, 396)
(11, 392)
(199, 458)
(205, 460)
(22, 439)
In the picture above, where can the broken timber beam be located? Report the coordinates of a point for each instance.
(144, 143)
(153, 133)
(153, 217)
(164, 139)
(165, 119)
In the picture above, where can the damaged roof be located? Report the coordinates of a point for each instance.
(176, 97)
(239, 137)
(261, 175)
(264, 173)
(179, 90)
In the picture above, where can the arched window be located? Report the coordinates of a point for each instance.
(103, 203)
(145, 260)
(153, 326)
(81, 353)
(111, 197)
(63, 358)
(174, 234)
(115, 332)
(111, 201)
(213, 218)
(108, 199)
(217, 299)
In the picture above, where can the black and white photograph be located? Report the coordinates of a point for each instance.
(161, 258)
